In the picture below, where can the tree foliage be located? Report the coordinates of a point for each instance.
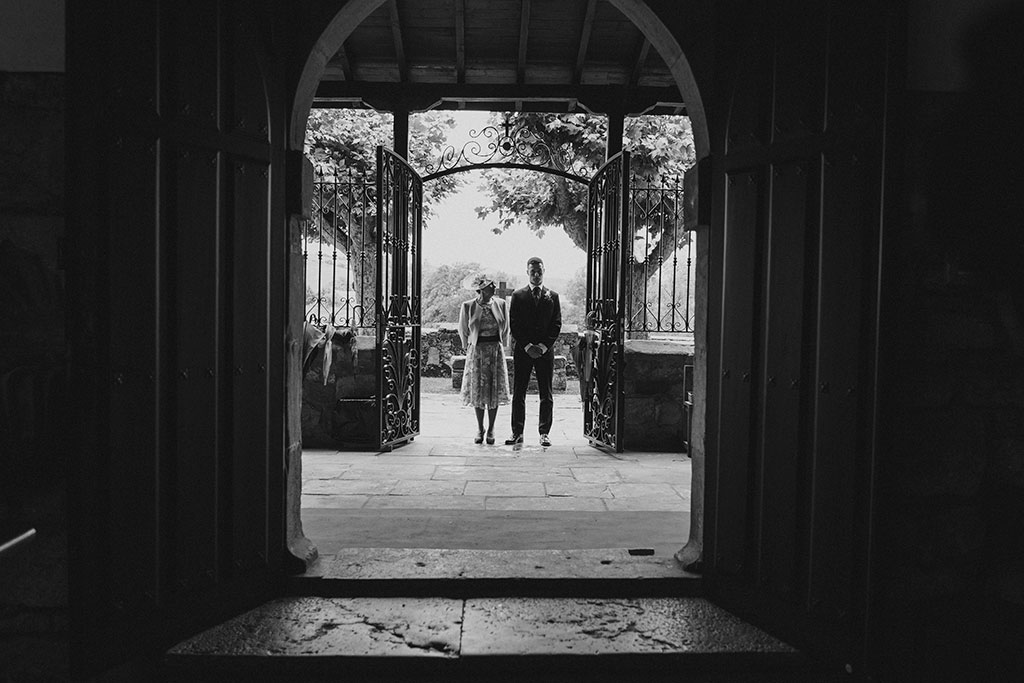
(443, 293)
(343, 142)
(661, 147)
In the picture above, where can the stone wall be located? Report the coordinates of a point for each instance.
(33, 375)
(951, 471)
(441, 343)
(339, 413)
(655, 417)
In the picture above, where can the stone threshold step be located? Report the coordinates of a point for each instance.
(684, 639)
(470, 573)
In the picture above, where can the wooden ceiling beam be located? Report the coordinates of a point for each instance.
(460, 41)
(639, 61)
(585, 31)
(423, 96)
(396, 35)
(524, 35)
(344, 62)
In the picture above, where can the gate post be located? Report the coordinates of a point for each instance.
(401, 131)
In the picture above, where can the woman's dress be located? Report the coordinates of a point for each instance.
(485, 379)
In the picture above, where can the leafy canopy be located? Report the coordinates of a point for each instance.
(661, 146)
(344, 141)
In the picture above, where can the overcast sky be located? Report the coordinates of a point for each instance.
(454, 233)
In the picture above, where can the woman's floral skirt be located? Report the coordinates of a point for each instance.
(485, 379)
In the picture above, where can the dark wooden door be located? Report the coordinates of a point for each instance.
(793, 321)
(399, 226)
(608, 249)
(176, 272)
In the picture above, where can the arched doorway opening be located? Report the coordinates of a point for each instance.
(664, 43)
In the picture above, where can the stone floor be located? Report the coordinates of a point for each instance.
(436, 638)
(444, 491)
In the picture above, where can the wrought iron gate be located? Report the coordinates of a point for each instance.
(399, 226)
(608, 248)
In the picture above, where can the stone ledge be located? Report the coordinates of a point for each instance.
(463, 564)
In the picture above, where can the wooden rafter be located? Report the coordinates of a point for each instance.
(396, 34)
(460, 41)
(423, 96)
(524, 34)
(638, 63)
(585, 31)
(346, 64)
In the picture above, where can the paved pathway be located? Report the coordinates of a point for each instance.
(442, 490)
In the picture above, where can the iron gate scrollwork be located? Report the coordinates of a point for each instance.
(399, 226)
(608, 249)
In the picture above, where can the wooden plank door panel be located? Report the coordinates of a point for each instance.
(132, 460)
(732, 496)
(784, 384)
(194, 220)
(177, 281)
(249, 265)
(797, 264)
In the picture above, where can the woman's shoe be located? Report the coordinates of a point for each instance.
(490, 438)
(479, 437)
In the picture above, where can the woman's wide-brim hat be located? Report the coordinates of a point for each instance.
(477, 281)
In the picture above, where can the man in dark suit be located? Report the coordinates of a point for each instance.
(535, 317)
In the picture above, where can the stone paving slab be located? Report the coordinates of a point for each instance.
(503, 474)
(647, 504)
(351, 627)
(574, 489)
(429, 487)
(395, 460)
(425, 503)
(540, 503)
(596, 475)
(377, 487)
(332, 530)
(334, 501)
(533, 489)
(620, 490)
(567, 626)
(444, 563)
(388, 471)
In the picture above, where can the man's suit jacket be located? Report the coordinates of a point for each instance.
(469, 321)
(535, 322)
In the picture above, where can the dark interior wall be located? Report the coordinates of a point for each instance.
(950, 566)
(33, 451)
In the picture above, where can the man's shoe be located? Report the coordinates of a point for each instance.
(514, 439)
(544, 440)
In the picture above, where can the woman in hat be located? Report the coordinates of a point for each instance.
(484, 329)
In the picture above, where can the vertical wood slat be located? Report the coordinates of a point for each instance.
(799, 70)
(837, 424)
(198, 366)
(245, 109)
(250, 360)
(782, 381)
(136, 348)
(751, 106)
(737, 348)
(191, 79)
(158, 459)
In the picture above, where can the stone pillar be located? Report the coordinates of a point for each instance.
(299, 546)
(691, 555)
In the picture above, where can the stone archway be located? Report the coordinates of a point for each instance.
(665, 43)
